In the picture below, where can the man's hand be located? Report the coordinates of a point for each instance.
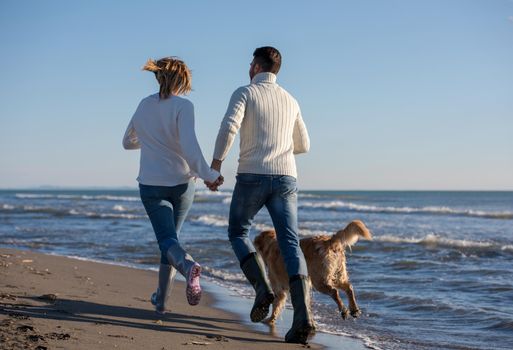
(216, 164)
(213, 186)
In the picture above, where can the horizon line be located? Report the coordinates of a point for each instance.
(112, 188)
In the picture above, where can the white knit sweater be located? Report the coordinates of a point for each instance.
(271, 128)
(164, 131)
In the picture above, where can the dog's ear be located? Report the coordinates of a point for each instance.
(263, 240)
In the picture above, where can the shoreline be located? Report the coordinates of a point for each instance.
(59, 293)
(240, 307)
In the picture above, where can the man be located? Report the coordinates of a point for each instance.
(271, 132)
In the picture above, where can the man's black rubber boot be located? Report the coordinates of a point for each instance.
(303, 326)
(254, 270)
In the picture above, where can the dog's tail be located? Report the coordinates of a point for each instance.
(351, 233)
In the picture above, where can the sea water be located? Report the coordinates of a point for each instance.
(437, 275)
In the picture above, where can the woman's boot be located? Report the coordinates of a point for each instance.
(254, 270)
(190, 269)
(166, 277)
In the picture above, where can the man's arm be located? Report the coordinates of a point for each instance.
(190, 147)
(130, 140)
(229, 127)
(300, 136)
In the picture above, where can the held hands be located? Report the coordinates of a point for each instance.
(214, 186)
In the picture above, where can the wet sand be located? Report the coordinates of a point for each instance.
(53, 302)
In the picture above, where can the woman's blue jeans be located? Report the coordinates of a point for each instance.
(167, 208)
(278, 193)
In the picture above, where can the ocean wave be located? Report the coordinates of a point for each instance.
(211, 220)
(303, 232)
(118, 207)
(211, 196)
(437, 240)
(34, 196)
(502, 325)
(330, 325)
(76, 197)
(334, 205)
(308, 195)
(42, 210)
(109, 215)
(221, 221)
(60, 212)
(208, 193)
(420, 304)
(126, 209)
(224, 275)
(207, 196)
(227, 195)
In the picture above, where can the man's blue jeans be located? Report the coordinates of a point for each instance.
(279, 194)
(167, 208)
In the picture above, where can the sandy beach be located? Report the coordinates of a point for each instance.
(53, 302)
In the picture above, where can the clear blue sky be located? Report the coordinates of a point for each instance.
(396, 94)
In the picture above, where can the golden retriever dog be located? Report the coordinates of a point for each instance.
(326, 261)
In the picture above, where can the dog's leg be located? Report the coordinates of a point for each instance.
(353, 307)
(278, 304)
(333, 293)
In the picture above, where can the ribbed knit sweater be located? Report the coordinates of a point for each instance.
(271, 128)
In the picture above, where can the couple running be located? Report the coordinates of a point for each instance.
(271, 132)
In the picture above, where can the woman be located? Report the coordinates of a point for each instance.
(163, 128)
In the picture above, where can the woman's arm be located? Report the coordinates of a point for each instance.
(130, 140)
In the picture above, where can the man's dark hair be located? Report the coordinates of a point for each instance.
(268, 58)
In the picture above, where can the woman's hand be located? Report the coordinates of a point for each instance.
(213, 186)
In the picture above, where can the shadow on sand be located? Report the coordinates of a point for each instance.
(90, 312)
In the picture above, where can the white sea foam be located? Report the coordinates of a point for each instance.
(370, 343)
(208, 193)
(118, 207)
(224, 275)
(112, 216)
(221, 221)
(309, 233)
(261, 227)
(334, 329)
(32, 196)
(333, 205)
(211, 220)
(308, 195)
(437, 240)
(117, 198)
(75, 197)
(44, 210)
(73, 212)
